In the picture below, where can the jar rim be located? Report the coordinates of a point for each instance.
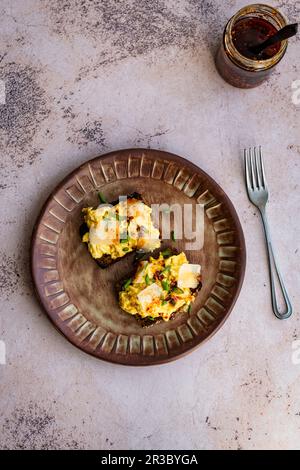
(270, 14)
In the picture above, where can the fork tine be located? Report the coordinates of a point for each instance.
(254, 182)
(264, 183)
(248, 183)
(258, 168)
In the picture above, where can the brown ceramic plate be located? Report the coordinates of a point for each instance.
(80, 298)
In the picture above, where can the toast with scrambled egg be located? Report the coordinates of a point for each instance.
(160, 288)
(114, 230)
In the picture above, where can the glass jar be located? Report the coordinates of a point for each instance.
(239, 70)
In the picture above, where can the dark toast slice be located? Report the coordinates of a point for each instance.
(106, 260)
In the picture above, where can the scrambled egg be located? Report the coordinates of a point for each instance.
(119, 229)
(153, 292)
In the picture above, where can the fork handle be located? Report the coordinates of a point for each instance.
(274, 271)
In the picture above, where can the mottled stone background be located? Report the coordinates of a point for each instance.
(84, 77)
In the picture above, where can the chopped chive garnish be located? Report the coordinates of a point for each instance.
(165, 285)
(121, 217)
(123, 238)
(166, 253)
(127, 283)
(151, 318)
(166, 269)
(147, 280)
(173, 235)
(190, 308)
(139, 255)
(125, 248)
(177, 290)
(102, 198)
(164, 302)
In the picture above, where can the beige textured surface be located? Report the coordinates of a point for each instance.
(83, 78)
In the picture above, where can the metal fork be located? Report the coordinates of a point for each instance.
(258, 195)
